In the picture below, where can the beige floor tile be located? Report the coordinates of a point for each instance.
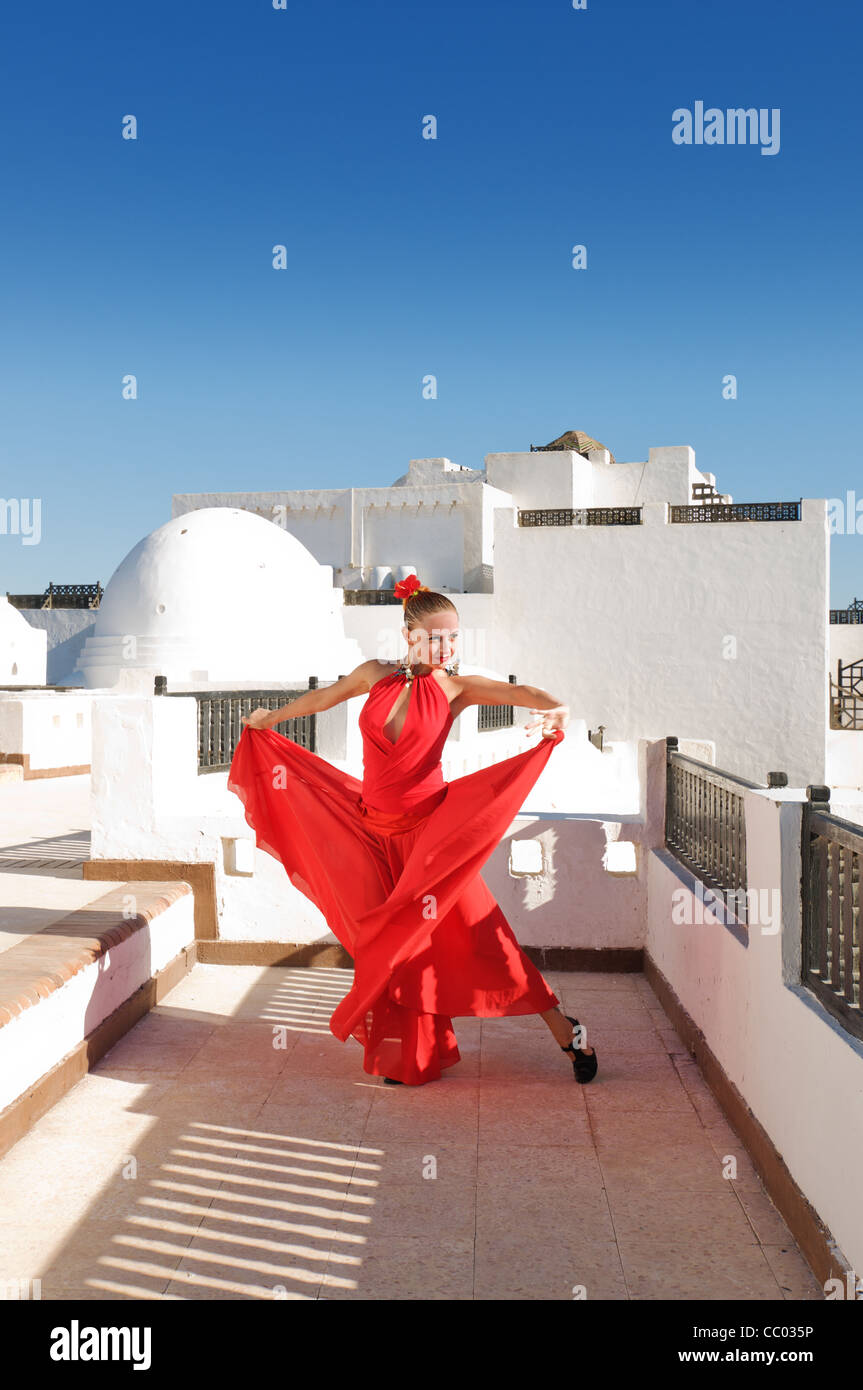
(139, 1075)
(148, 1063)
(622, 1064)
(295, 1088)
(430, 1207)
(387, 1124)
(300, 1193)
(687, 1270)
(745, 1174)
(308, 1196)
(306, 1233)
(100, 1248)
(520, 1073)
(703, 1099)
(234, 1270)
(792, 1273)
(525, 1267)
(469, 1066)
(504, 1027)
(555, 1128)
(104, 1287)
(526, 1095)
(160, 1192)
(612, 1011)
(642, 1042)
(312, 1055)
(614, 1128)
(572, 1168)
(600, 1022)
(678, 1215)
(544, 1222)
(634, 1161)
(406, 1268)
(611, 980)
(211, 1099)
(316, 1124)
(624, 1095)
(767, 1222)
(164, 1023)
(405, 1162)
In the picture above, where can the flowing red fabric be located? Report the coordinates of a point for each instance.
(393, 864)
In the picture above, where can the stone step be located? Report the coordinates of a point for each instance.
(69, 991)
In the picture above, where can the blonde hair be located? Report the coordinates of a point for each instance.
(424, 603)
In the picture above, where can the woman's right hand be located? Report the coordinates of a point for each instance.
(258, 719)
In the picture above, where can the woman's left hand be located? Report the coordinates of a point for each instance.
(552, 719)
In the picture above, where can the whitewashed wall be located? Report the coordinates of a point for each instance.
(563, 478)
(437, 527)
(23, 649)
(846, 644)
(429, 535)
(844, 767)
(629, 625)
(540, 480)
(801, 1073)
(53, 727)
(67, 630)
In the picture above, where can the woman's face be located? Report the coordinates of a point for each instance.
(433, 641)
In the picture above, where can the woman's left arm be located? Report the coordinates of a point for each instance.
(480, 690)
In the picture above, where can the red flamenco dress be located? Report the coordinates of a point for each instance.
(393, 864)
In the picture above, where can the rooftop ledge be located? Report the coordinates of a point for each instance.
(68, 991)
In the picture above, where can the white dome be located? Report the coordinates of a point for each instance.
(219, 597)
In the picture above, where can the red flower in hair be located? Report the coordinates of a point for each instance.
(406, 587)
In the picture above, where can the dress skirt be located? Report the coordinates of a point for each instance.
(402, 893)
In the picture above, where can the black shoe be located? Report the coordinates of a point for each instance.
(389, 1081)
(584, 1064)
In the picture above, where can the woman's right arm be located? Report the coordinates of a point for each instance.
(357, 682)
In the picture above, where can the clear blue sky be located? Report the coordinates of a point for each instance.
(302, 126)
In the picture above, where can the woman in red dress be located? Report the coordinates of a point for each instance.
(393, 861)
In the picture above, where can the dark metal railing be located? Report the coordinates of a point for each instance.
(831, 851)
(220, 714)
(846, 696)
(370, 596)
(852, 614)
(705, 826)
(60, 596)
(579, 516)
(737, 511)
(495, 716)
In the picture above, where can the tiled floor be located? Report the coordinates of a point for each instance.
(198, 1160)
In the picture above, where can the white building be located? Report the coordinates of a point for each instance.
(23, 648)
(218, 598)
(651, 622)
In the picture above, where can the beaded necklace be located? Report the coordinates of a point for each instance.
(407, 670)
